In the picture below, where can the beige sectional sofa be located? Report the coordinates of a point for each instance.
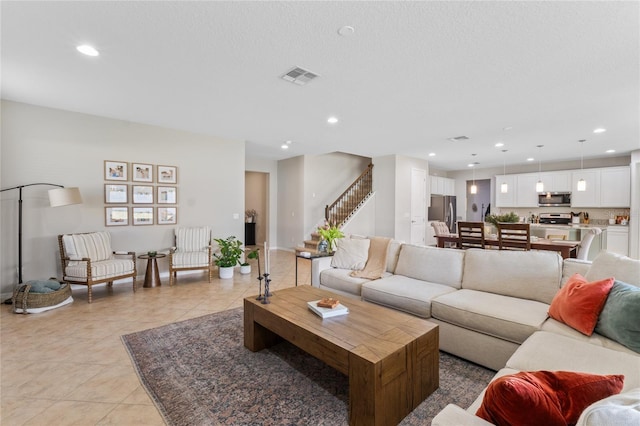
(492, 306)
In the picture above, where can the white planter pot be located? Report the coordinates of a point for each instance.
(225, 272)
(245, 269)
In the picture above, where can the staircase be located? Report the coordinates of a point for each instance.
(346, 205)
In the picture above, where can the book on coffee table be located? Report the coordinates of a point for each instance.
(340, 309)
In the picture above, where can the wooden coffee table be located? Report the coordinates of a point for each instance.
(391, 358)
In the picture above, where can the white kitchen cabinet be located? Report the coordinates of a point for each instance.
(590, 197)
(442, 186)
(559, 181)
(618, 239)
(526, 195)
(507, 199)
(615, 187)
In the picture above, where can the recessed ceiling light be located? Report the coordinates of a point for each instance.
(432, 154)
(610, 151)
(87, 50)
(470, 165)
(599, 130)
(507, 128)
(332, 120)
(499, 144)
(530, 159)
(346, 31)
(284, 146)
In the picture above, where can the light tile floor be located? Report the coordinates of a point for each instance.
(68, 366)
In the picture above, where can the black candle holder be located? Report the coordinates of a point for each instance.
(260, 296)
(267, 293)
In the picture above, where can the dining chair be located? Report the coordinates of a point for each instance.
(585, 243)
(442, 230)
(514, 236)
(471, 235)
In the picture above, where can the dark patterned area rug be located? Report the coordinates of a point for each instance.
(198, 372)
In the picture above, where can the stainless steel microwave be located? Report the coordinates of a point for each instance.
(554, 199)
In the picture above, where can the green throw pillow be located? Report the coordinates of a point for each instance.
(620, 317)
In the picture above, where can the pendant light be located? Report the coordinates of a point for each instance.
(540, 185)
(582, 184)
(474, 187)
(504, 188)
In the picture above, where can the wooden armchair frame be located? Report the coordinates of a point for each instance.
(64, 261)
(173, 270)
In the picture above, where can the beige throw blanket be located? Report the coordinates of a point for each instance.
(376, 261)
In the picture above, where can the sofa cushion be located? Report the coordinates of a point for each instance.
(431, 264)
(339, 279)
(621, 410)
(620, 317)
(557, 327)
(607, 264)
(508, 318)
(532, 275)
(94, 245)
(554, 352)
(99, 270)
(551, 398)
(404, 294)
(351, 253)
(392, 256)
(579, 303)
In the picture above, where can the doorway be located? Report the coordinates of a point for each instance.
(256, 197)
(478, 204)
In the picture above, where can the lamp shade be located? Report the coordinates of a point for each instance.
(64, 196)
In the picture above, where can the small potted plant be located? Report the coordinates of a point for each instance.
(330, 233)
(229, 255)
(245, 267)
(250, 215)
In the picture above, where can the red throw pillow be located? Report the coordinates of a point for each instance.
(545, 397)
(579, 303)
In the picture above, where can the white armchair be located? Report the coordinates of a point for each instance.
(87, 259)
(192, 251)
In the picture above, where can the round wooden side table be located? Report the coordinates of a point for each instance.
(152, 276)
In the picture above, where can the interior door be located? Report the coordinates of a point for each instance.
(418, 205)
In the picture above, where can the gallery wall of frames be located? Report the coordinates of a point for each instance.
(140, 194)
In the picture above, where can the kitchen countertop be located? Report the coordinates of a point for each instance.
(577, 226)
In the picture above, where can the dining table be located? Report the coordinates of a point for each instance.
(566, 248)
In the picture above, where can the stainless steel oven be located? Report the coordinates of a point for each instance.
(554, 199)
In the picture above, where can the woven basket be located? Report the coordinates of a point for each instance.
(24, 299)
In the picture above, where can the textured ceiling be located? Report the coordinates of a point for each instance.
(413, 75)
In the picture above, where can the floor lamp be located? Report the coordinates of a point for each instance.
(57, 197)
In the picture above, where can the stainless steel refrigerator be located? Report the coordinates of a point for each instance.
(443, 209)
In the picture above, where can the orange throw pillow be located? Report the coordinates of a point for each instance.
(579, 303)
(545, 397)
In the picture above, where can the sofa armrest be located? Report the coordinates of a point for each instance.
(318, 265)
(452, 415)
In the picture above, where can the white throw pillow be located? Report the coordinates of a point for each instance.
(619, 410)
(608, 264)
(351, 254)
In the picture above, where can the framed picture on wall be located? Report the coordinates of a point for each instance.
(117, 194)
(116, 170)
(143, 215)
(167, 215)
(142, 194)
(116, 216)
(141, 172)
(167, 195)
(167, 174)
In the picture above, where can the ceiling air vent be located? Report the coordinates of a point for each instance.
(459, 138)
(299, 76)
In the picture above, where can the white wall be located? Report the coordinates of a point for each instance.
(384, 185)
(326, 177)
(67, 148)
(290, 202)
(364, 221)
